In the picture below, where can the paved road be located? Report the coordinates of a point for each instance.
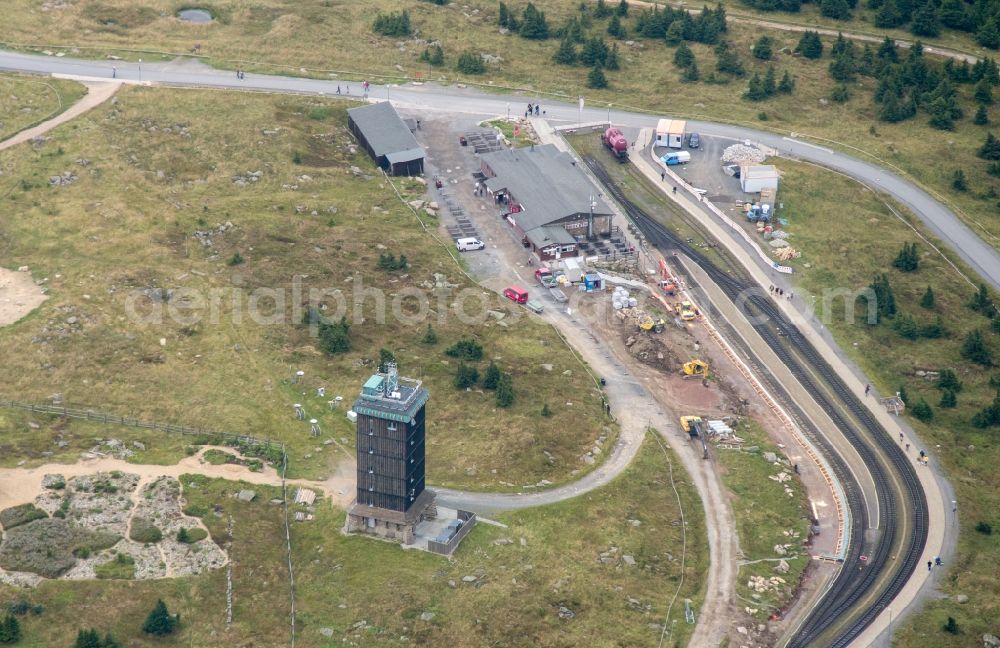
(979, 254)
(983, 258)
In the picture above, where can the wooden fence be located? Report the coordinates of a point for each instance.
(89, 414)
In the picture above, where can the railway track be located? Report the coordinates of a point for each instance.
(870, 564)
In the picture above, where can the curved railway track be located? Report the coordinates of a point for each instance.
(870, 563)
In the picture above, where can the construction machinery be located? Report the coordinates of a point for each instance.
(692, 425)
(666, 284)
(695, 369)
(647, 323)
(688, 311)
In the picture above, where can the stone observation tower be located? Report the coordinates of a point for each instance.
(390, 499)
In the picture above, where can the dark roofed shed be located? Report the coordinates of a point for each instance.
(387, 138)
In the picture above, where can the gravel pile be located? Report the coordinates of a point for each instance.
(742, 153)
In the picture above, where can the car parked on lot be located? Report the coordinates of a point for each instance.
(516, 294)
(471, 243)
(694, 140)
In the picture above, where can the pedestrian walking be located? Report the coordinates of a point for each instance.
(477, 189)
(338, 89)
(929, 565)
(901, 440)
(675, 190)
(237, 73)
(663, 176)
(937, 561)
(907, 447)
(530, 109)
(114, 71)
(868, 388)
(536, 109)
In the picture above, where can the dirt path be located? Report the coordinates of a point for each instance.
(19, 295)
(21, 485)
(640, 397)
(97, 93)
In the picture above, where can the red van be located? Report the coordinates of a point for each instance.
(516, 294)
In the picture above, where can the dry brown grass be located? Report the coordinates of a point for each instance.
(27, 100)
(327, 36)
(344, 580)
(127, 225)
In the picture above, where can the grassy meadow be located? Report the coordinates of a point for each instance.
(28, 100)
(160, 174)
(867, 238)
(372, 593)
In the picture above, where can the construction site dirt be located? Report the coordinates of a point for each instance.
(653, 359)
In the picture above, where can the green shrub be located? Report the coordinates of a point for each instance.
(192, 535)
(430, 337)
(23, 606)
(470, 63)
(390, 262)
(196, 510)
(236, 259)
(466, 376)
(20, 514)
(466, 349)
(596, 78)
(144, 531)
(922, 411)
(492, 378)
(948, 380)
(47, 547)
(219, 457)
(392, 24)
(975, 350)
(122, 567)
(505, 391)
(160, 622)
(984, 527)
(10, 630)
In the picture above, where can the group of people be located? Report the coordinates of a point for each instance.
(364, 88)
(480, 189)
(240, 74)
(532, 110)
(781, 293)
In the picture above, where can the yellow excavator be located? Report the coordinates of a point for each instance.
(688, 311)
(695, 369)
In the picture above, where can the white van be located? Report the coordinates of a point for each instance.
(466, 244)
